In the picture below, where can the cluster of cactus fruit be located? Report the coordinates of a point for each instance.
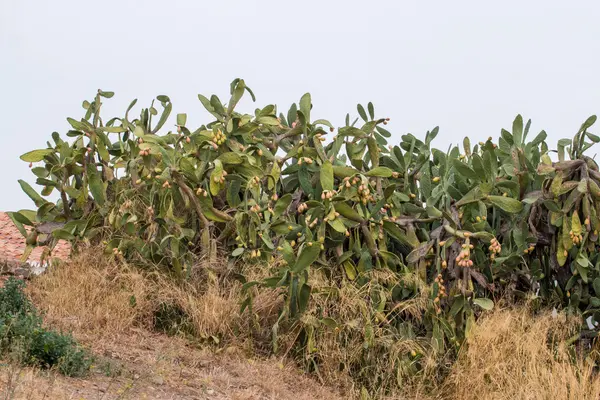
(266, 186)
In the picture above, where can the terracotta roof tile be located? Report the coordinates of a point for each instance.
(12, 244)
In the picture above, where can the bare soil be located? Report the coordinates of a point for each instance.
(142, 365)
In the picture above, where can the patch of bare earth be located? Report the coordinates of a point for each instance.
(141, 365)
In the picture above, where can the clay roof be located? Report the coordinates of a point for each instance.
(12, 244)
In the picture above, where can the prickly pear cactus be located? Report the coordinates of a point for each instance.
(470, 223)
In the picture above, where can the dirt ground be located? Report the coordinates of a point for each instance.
(143, 365)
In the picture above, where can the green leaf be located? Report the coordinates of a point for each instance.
(351, 131)
(282, 204)
(113, 129)
(36, 155)
(33, 195)
(303, 297)
(307, 256)
(484, 303)
(393, 230)
(588, 122)
(95, 184)
(18, 225)
(348, 212)
(288, 253)
(484, 236)
(479, 168)
(230, 158)
(508, 204)
(532, 197)
(181, 119)
(373, 151)
(337, 224)
(216, 174)
(344, 171)
(592, 137)
(274, 175)
(268, 120)
(539, 138)
(164, 116)
(19, 217)
(326, 176)
(472, 196)
(382, 172)
(383, 132)
(596, 286)
(464, 170)
(108, 95)
(267, 242)
(361, 112)
(305, 106)
(323, 122)
(212, 213)
(517, 130)
(433, 212)
(350, 270)
(63, 234)
(304, 179)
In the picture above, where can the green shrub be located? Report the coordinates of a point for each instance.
(23, 337)
(171, 319)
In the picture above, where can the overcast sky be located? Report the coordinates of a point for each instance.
(467, 66)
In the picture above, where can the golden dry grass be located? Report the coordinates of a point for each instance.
(90, 294)
(511, 353)
(515, 355)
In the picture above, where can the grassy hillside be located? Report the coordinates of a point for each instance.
(143, 348)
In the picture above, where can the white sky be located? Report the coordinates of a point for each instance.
(467, 66)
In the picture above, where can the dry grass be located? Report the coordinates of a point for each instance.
(515, 355)
(92, 295)
(510, 355)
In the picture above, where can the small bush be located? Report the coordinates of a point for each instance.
(171, 319)
(23, 337)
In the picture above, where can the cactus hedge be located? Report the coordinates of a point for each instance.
(470, 224)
